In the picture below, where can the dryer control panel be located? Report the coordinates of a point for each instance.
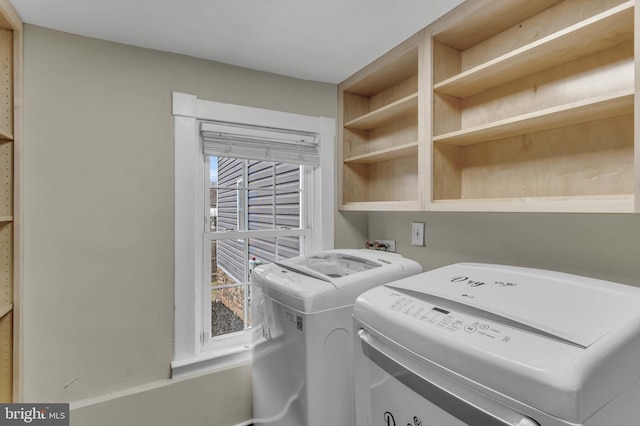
(449, 321)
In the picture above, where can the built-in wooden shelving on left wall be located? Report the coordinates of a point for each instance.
(10, 201)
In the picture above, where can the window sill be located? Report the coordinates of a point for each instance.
(212, 360)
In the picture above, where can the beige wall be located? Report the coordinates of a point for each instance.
(605, 246)
(98, 219)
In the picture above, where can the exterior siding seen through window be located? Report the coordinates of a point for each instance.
(265, 181)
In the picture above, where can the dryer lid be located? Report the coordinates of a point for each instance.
(575, 309)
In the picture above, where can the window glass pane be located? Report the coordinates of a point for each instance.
(229, 312)
(229, 170)
(213, 171)
(260, 174)
(230, 265)
(287, 209)
(287, 196)
(228, 206)
(214, 263)
(266, 250)
(213, 209)
(213, 194)
(261, 250)
(289, 247)
(260, 212)
(228, 308)
(227, 177)
(287, 176)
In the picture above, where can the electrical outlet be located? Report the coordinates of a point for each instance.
(390, 244)
(417, 234)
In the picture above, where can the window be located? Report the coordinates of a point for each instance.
(271, 171)
(267, 215)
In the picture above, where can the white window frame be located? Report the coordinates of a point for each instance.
(241, 202)
(191, 353)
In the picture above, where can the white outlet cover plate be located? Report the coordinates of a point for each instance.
(417, 234)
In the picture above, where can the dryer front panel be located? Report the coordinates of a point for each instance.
(396, 390)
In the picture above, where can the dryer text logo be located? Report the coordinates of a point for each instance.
(474, 283)
(389, 420)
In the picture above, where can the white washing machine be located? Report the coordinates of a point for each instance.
(489, 345)
(302, 333)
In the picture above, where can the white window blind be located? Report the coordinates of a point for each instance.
(259, 143)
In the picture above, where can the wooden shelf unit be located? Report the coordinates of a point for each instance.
(536, 125)
(10, 152)
(378, 121)
(498, 106)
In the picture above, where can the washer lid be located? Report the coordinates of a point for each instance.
(330, 279)
(328, 266)
(575, 309)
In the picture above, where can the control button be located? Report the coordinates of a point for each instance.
(484, 327)
(470, 329)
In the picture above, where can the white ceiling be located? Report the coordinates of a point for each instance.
(321, 40)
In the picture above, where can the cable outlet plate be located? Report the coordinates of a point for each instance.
(391, 244)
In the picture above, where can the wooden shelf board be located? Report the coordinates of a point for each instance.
(602, 31)
(405, 150)
(5, 309)
(605, 106)
(4, 219)
(5, 135)
(412, 205)
(385, 115)
(622, 203)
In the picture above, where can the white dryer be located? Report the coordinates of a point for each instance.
(302, 333)
(489, 345)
